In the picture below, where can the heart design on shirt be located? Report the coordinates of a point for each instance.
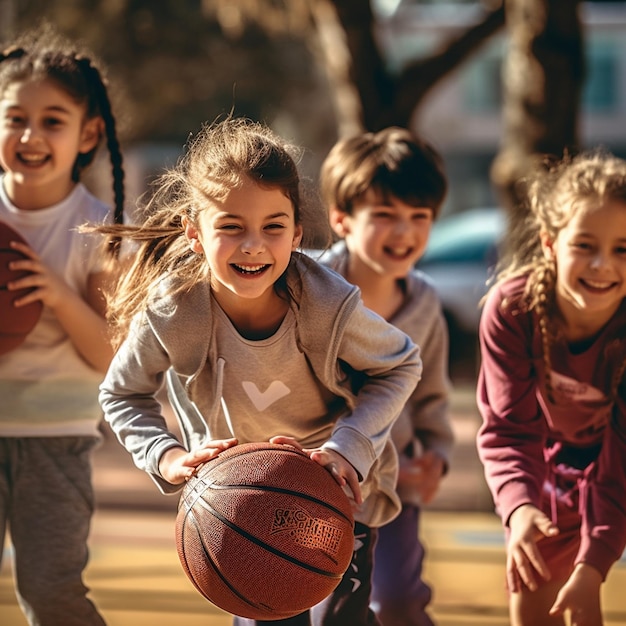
(262, 400)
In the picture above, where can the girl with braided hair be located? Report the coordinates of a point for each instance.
(552, 395)
(54, 110)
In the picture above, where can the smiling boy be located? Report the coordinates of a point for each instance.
(383, 191)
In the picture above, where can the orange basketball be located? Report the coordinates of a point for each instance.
(16, 322)
(264, 532)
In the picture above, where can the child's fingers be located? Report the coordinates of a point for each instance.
(210, 450)
(340, 469)
(353, 483)
(285, 441)
(343, 477)
(557, 607)
(25, 249)
(546, 527)
(526, 560)
(513, 581)
(519, 571)
(538, 563)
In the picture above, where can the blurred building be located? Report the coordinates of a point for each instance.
(462, 115)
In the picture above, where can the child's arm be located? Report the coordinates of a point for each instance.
(90, 333)
(128, 399)
(427, 411)
(381, 366)
(514, 431)
(603, 530)
(581, 596)
(82, 320)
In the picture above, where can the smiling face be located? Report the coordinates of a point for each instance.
(247, 239)
(384, 237)
(42, 130)
(590, 254)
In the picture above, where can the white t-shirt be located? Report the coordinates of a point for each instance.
(46, 387)
(268, 387)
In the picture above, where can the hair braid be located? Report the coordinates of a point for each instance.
(615, 354)
(617, 378)
(94, 78)
(104, 104)
(543, 304)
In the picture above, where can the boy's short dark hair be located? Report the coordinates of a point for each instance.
(393, 163)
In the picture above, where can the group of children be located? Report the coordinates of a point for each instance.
(218, 285)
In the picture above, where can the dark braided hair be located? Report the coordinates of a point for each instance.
(43, 53)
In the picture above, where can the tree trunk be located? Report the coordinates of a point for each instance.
(542, 77)
(357, 69)
(337, 61)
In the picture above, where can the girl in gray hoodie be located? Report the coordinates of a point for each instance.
(257, 341)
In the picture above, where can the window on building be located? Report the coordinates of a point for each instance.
(600, 91)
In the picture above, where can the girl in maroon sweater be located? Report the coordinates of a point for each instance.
(552, 393)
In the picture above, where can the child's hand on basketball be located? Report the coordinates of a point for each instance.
(338, 466)
(46, 286)
(177, 465)
(340, 469)
(528, 525)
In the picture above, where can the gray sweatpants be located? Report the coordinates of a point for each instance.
(46, 501)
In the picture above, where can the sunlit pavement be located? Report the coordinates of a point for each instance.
(136, 578)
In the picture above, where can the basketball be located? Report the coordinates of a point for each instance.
(16, 322)
(264, 532)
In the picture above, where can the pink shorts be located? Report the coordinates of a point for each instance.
(560, 502)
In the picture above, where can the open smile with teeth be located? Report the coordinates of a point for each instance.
(32, 159)
(596, 285)
(398, 253)
(249, 269)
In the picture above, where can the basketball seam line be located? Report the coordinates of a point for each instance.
(284, 491)
(262, 544)
(216, 569)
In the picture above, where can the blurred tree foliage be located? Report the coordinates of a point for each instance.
(179, 63)
(543, 75)
(313, 70)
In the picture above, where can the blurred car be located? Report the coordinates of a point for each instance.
(461, 254)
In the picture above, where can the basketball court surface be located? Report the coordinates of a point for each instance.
(136, 578)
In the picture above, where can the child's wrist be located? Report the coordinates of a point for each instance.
(588, 574)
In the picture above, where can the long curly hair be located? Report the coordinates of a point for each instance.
(556, 192)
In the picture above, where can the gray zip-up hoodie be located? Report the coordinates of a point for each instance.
(353, 352)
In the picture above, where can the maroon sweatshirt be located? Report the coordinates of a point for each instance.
(522, 428)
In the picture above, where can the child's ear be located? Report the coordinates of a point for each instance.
(191, 232)
(90, 134)
(547, 245)
(297, 237)
(339, 221)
